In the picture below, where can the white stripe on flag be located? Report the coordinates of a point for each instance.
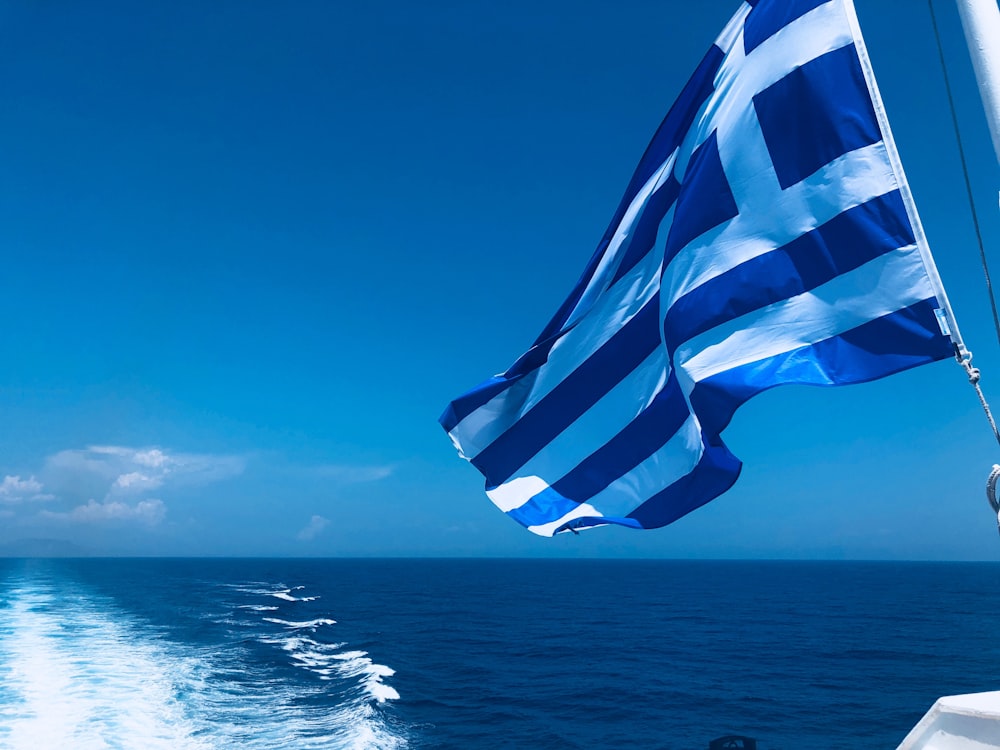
(516, 492)
(882, 286)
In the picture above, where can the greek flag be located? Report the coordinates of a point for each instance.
(768, 236)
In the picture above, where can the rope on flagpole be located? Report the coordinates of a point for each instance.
(974, 377)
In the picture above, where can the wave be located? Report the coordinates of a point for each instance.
(312, 624)
(263, 588)
(328, 662)
(357, 662)
(286, 595)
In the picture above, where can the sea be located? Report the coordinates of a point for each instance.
(485, 653)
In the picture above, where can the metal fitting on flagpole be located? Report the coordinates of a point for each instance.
(991, 492)
(974, 378)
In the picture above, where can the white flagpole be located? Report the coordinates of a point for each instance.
(981, 22)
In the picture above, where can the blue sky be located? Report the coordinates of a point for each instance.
(251, 250)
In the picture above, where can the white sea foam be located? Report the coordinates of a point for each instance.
(358, 663)
(312, 624)
(76, 672)
(90, 697)
(258, 607)
(263, 588)
(286, 595)
(329, 662)
(381, 692)
(278, 591)
(251, 587)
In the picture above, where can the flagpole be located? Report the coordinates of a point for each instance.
(981, 23)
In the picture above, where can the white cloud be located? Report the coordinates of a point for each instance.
(132, 471)
(118, 480)
(13, 489)
(314, 528)
(109, 485)
(153, 458)
(16, 485)
(148, 512)
(136, 480)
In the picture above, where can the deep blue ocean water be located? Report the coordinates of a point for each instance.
(485, 653)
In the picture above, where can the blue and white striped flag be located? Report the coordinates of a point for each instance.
(767, 237)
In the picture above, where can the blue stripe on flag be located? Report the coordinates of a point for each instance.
(643, 436)
(545, 507)
(715, 473)
(549, 506)
(884, 346)
(622, 353)
(769, 18)
(466, 404)
(590, 521)
(844, 243)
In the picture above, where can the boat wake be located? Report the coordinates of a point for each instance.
(78, 671)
